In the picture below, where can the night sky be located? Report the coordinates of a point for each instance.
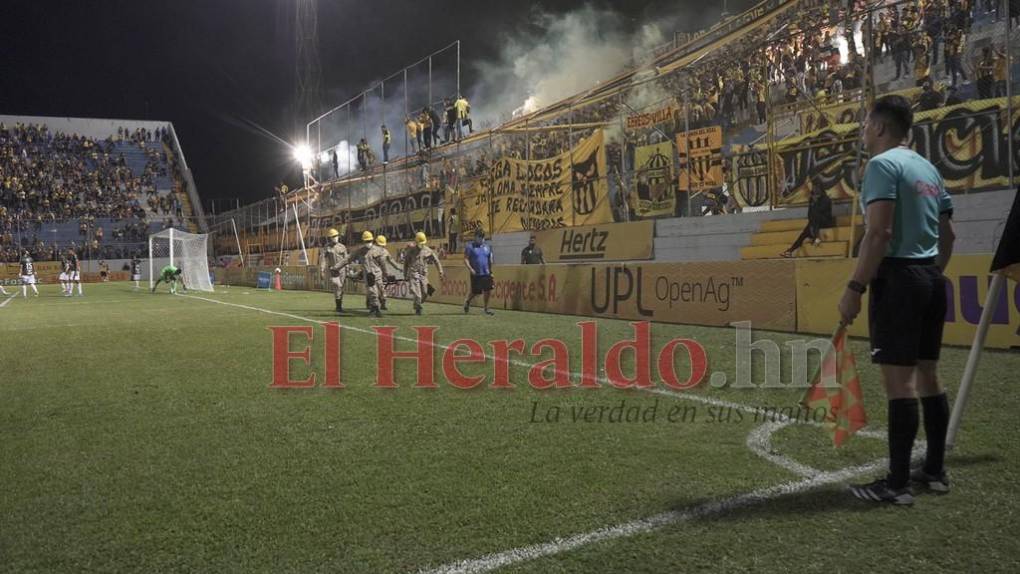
(215, 67)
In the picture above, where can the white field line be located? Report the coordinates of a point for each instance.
(773, 416)
(8, 300)
(691, 396)
(759, 441)
(500, 559)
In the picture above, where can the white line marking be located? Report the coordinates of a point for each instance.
(691, 396)
(762, 440)
(771, 416)
(8, 300)
(759, 441)
(500, 559)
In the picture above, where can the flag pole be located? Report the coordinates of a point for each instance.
(991, 302)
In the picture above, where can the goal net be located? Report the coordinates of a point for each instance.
(186, 251)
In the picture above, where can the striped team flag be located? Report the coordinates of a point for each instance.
(837, 388)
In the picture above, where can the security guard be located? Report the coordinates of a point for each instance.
(373, 259)
(330, 257)
(417, 258)
(906, 246)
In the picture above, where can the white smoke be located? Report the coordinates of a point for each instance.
(568, 54)
(346, 158)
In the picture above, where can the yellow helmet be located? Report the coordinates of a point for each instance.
(367, 235)
(332, 232)
(420, 238)
(380, 240)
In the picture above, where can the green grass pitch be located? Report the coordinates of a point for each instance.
(139, 433)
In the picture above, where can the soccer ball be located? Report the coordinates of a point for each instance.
(277, 270)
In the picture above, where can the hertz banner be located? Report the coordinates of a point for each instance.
(521, 195)
(611, 242)
(653, 194)
(967, 142)
(701, 171)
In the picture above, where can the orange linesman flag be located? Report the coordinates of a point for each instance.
(837, 388)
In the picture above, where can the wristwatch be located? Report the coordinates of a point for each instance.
(857, 286)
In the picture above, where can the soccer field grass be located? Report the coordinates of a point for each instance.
(140, 433)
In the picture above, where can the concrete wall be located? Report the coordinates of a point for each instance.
(979, 219)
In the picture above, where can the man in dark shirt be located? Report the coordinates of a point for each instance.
(478, 260)
(532, 254)
(929, 99)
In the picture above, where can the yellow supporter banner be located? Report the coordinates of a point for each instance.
(715, 294)
(967, 142)
(653, 194)
(820, 284)
(611, 242)
(700, 159)
(520, 195)
(822, 115)
(474, 210)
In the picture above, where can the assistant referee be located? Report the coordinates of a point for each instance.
(906, 246)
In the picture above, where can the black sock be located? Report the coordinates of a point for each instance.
(903, 422)
(936, 422)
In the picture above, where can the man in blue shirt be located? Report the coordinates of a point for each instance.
(906, 246)
(478, 258)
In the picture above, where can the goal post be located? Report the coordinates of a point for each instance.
(189, 252)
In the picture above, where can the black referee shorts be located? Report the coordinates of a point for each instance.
(907, 312)
(481, 284)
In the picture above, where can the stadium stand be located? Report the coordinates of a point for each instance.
(101, 192)
(734, 124)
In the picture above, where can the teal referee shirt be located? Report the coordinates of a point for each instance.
(903, 176)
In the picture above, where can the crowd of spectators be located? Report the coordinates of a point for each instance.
(812, 55)
(48, 178)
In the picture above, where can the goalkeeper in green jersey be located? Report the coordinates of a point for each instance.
(170, 275)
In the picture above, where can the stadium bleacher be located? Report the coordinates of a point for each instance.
(99, 195)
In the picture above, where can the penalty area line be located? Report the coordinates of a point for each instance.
(8, 300)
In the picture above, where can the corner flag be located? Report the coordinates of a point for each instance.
(837, 388)
(1005, 264)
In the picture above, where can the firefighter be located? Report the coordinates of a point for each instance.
(329, 257)
(374, 259)
(417, 258)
